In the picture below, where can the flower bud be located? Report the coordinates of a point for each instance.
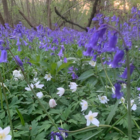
(52, 103)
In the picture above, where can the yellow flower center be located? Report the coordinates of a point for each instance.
(85, 104)
(91, 118)
(102, 98)
(2, 136)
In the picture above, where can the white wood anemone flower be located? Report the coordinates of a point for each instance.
(103, 99)
(91, 118)
(133, 106)
(4, 133)
(124, 85)
(39, 95)
(73, 86)
(84, 105)
(60, 91)
(48, 77)
(36, 85)
(18, 75)
(92, 63)
(122, 100)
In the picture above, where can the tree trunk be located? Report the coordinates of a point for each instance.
(28, 9)
(93, 12)
(6, 12)
(22, 5)
(2, 20)
(48, 2)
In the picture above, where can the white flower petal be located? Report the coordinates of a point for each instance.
(6, 130)
(95, 122)
(88, 122)
(8, 137)
(95, 114)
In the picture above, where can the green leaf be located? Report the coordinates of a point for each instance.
(86, 74)
(112, 113)
(21, 117)
(79, 53)
(64, 65)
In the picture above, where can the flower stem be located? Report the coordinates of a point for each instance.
(8, 110)
(128, 83)
(106, 72)
(128, 96)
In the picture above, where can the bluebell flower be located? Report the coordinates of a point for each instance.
(117, 58)
(18, 42)
(3, 58)
(18, 60)
(65, 60)
(112, 43)
(118, 94)
(94, 39)
(57, 135)
(133, 10)
(74, 76)
(124, 75)
(102, 30)
(60, 54)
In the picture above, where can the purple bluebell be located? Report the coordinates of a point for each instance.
(70, 69)
(118, 94)
(60, 54)
(18, 42)
(124, 75)
(18, 61)
(138, 88)
(94, 39)
(3, 58)
(74, 76)
(25, 43)
(114, 18)
(94, 57)
(57, 135)
(112, 43)
(133, 10)
(117, 59)
(106, 19)
(102, 30)
(65, 60)
(1, 42)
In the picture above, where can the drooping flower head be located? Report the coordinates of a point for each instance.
(3, 58)
(118, 94)
(112, 43)
(117, 58)
(52, 103)
(124, 75)
(58, 136)
(18, 61)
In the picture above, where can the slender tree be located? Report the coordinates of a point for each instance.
(48, 3)
(6, 12)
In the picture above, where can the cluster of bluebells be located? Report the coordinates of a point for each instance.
(58, 136)
(73, 70)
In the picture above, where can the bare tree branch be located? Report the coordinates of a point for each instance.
(92, 13)
(56, 11)
(27, 20)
